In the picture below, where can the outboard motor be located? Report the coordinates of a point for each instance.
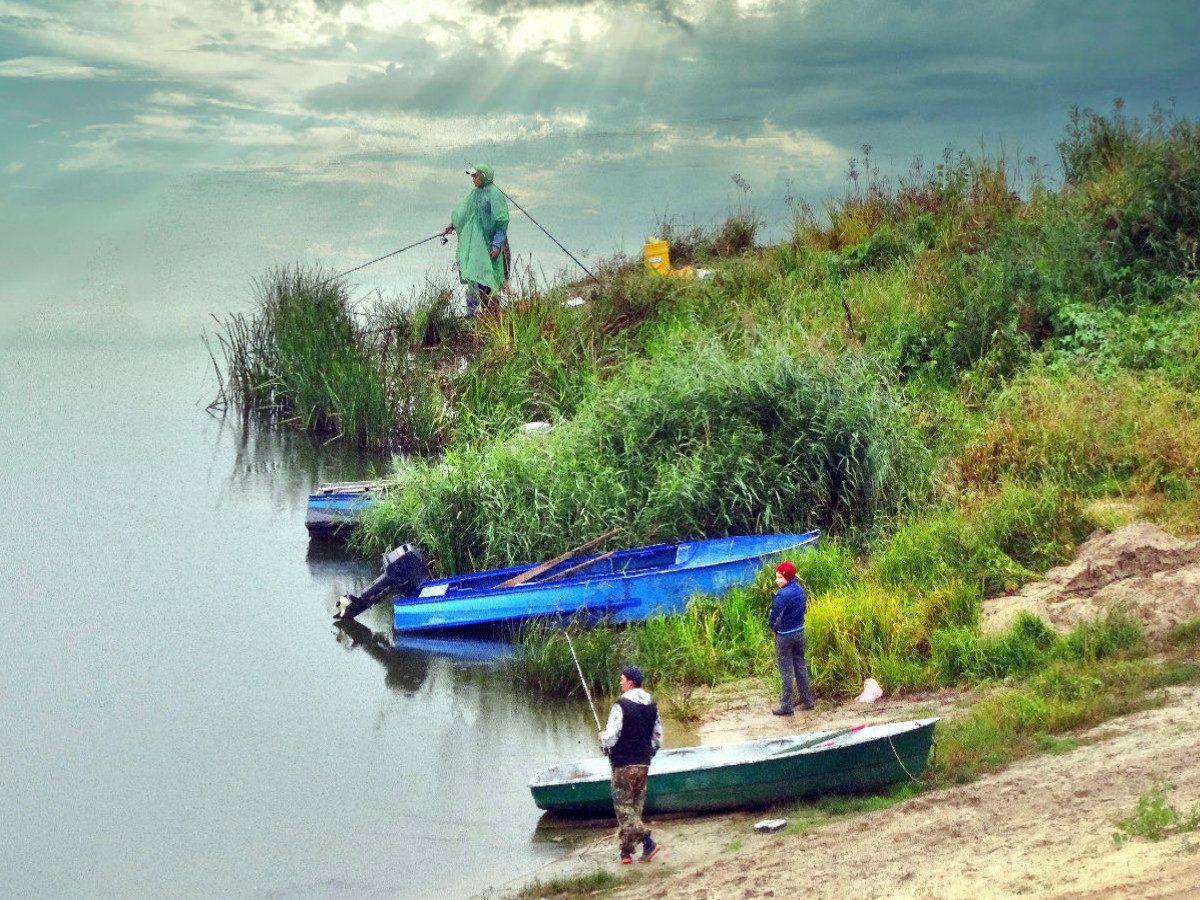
(404, 571)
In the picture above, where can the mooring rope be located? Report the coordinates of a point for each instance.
(899, 760)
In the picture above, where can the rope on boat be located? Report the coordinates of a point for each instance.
(899, 760)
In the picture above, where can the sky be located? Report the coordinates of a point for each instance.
(157, 156)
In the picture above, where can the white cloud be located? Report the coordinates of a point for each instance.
(54, 68)
(13, 168)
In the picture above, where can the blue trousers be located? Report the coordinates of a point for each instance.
(793, 668)
(477, 295)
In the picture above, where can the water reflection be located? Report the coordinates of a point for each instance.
(403, 672)
(291, 462)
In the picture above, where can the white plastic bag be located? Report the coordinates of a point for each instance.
(871, 691)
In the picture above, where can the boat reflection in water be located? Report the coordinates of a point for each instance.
(406, 659)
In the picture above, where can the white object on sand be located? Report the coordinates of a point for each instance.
(871, 691)
(766, 826)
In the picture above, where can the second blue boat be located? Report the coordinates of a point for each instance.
(622, 586)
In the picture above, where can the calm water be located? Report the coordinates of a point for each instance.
(180, 717)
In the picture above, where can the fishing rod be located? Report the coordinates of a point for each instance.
(545, 232)
(586, 691)
(381, 258)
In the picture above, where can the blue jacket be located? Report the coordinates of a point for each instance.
(787, 612)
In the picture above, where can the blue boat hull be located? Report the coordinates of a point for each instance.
(334, 510)
(627, 586)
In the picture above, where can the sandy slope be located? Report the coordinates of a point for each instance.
(1041, 828)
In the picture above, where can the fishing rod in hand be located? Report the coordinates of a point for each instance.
(586, 691)
(381, 258)
(442, 235)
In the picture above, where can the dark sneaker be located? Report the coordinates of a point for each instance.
(809, 706)
(648, 850)
(626, 858)
(781, 712)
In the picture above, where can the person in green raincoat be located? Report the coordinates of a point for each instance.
(481, 221)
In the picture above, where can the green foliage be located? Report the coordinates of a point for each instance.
(1153, 225)
(1086, 432)
(1155, 818)
(960, 654)
(695, 444)
(1185, 634)
(937, 377)
(990, 540)
(543, 659)
(304, 358)
(1115, 634)
(1013, 722)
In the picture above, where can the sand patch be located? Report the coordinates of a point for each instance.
(1140, 567)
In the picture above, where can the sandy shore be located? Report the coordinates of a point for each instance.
(1042, 828)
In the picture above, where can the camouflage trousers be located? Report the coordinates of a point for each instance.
(629, 795)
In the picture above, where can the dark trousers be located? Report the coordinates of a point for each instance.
(793, 668)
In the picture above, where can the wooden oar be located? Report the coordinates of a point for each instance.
(537, 570)
(583, 565)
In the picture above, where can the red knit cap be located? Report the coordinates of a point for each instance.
(786, 569)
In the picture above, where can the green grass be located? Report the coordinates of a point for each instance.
(1012, 722)
(1155, 818)
(592, 884)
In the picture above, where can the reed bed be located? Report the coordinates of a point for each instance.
(697, 444)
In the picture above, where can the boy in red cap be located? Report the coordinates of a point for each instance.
(787, 623)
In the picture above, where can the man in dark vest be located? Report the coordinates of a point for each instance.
(633, 735)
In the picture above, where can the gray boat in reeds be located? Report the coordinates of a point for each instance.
(749, 773)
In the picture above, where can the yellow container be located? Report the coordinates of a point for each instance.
(658, 258)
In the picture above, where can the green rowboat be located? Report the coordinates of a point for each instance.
(749, 773)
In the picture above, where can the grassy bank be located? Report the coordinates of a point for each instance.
(956, 374)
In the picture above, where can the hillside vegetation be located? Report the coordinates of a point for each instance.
(957, 377)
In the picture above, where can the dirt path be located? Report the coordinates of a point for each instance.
(1041, 828)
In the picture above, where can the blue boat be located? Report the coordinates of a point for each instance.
(335, 508)
(621, 586)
